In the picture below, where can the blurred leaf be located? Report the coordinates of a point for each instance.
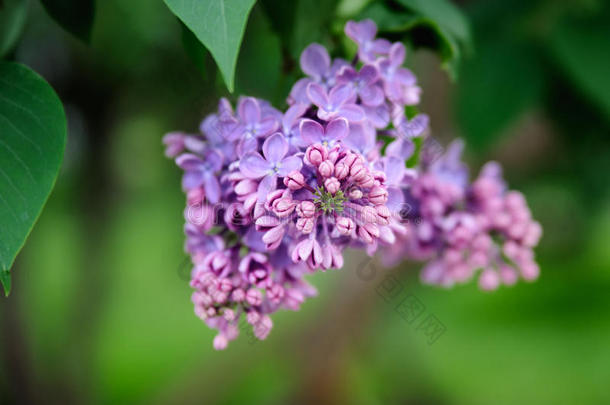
(312, 24)
(33, 128)
(281, 15)
(259, 75)
(75, 16)
(194, 49)
(583, 49)
(5, 279)
(496, 86)
(219, 25)
(435, 24)
(12, 19)
(449, 18)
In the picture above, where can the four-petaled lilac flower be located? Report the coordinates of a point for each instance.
(340, 102)
(202, 171)
(363, 33)
(316, 64)
(400, 83)
(252, 125)
(364, 83)
(312, 132)
(273, 164)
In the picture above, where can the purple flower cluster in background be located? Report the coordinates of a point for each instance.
(272, 196)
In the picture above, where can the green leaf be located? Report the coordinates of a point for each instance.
(195, 50)
(12, 20)
(5, 279)
(435, 24)
(449, 18)
(582, 49)
(496, 87)
(75, 16)
(219, 25)
(255, 75)
(32, 142)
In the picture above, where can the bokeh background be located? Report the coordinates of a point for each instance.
(100, 310)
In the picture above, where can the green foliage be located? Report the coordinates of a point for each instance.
(219, 25)
(496, 87)
(75, 16)
(588, 65)
(435, 24)
(33, 128)
(12, 20)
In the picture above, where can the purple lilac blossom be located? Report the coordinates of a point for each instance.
(273, 196)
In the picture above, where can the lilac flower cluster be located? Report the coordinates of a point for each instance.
(273, 196)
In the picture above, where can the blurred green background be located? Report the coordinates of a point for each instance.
(100, 311)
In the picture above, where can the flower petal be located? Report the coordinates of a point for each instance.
(372, 95)
(298, 93)
(191, 180)
(378, 116)
(397, 54)
(254, 166)
(311, 132)
(368, 74)
(337, 129)
(267, 126)
(315, 61)
(381, 46)
(291, 116)
(275, 148)
(212, 188)
(290, 164)
(351, 112)
(189, 162)
(317, 95)
(249, 110)
(341, 94)
(267, 185)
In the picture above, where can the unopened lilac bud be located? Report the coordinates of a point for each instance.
(275, 293)
(367, 181)
(229, 314)
(295, 180)
(306, 209)
(341, 170)
(220, 342)
(273, 197)
(263, 327)
(378, 195)
(305, 225)
(489, 280)
(283, 207)
(326, 168)
(368, 232)
(368, 214)
(355, 193)
(345, 225)
(530, 270)
(358, 171)
(316, 154)
(332, 185)
(245, 187)
(383, 215)
(254, 297)
(238, 295)
(508, 274)
(253, 317)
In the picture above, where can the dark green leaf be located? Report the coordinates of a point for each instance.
(435, 24)
(260, 61)
(219, 25)
(583, 50)
(496, 87)
(312, 24)
(195, 50)
(75, 16)
(32, 142)
(12, 19)
(444, 13)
